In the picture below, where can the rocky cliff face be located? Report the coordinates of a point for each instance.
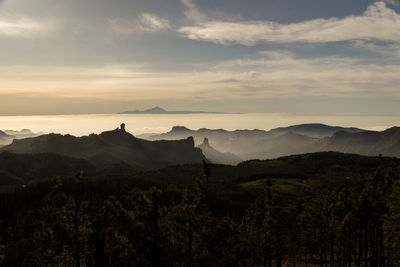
(216, 156)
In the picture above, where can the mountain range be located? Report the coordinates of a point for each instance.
(297, 139)
(370, 143)
(7, 136)
(121, 152)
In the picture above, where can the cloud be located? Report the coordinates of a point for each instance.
(147, 22)
(389, 49)
(153, 23)
(377, 23)
(192, 12)
(392, 2)
(277, 54)
(17, 26)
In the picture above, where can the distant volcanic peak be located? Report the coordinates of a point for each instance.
(156, 109)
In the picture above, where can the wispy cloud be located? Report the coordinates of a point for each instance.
(389, 49)
(153, 23)
(147, 22)
(393, 2)
(18, 26)
(377, 23)
(192, 12)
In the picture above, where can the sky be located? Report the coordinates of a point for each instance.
(314, 57)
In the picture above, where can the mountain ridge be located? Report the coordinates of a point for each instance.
(295, 139)
(114, 146)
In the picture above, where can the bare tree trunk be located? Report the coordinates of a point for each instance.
(278, 249)
(76, 237)
(366, 245)
(190, 233)
(321, 252)
(269, 258)
(360, 252)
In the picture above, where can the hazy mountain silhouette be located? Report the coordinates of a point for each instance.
(158, 110)
(24, 133)
(218, 157)
(370, 143)
(315, 130)
(7, 136)
(251, 144)
(112, 147)
(288, 143)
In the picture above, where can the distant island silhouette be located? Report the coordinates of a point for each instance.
(158, 110)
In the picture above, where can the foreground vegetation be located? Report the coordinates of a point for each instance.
(267, 217)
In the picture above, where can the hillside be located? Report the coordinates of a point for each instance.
(223, 207)
(17, 169)
(293, 175)
(117, 146)
(369, 143)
